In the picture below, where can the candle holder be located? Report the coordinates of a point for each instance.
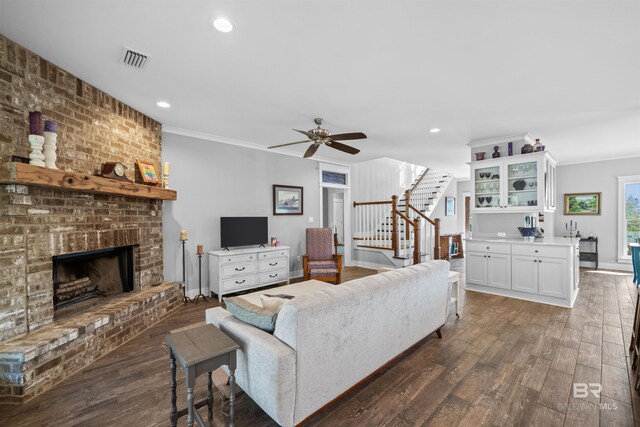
(50, 146)
(200, 294)
(165, 180)
(571, 228)
(36, 155)
(184, 273)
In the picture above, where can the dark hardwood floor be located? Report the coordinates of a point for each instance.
(504, 362)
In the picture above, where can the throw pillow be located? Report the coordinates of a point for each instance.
(252, 314)
(273, 303)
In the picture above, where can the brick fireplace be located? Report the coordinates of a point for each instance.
(38, 224)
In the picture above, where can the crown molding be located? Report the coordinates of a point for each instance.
(241, 143)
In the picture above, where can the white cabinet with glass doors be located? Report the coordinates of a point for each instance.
(519, 183)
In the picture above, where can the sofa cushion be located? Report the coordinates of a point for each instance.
(273, 303)
(252, 314)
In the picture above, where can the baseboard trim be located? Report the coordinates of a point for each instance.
(611, 266)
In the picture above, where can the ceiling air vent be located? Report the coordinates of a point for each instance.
(133, 58)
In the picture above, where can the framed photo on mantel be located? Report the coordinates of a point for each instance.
(287, 200)
(148, 172)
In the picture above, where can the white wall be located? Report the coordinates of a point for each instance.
(463, 186)
(448, 224)
(379, 179)
(595, 177)
(214, 180)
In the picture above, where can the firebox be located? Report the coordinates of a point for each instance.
(84, 279)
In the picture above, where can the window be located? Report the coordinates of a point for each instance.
(628, 213)
(334, 178)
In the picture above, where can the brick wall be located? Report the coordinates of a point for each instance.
(38, 223)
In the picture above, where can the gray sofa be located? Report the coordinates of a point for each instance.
(327, 341)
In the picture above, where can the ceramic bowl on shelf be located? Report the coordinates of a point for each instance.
(527, 231)
(519, 184)
(480, 155)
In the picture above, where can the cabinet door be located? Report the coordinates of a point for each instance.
(553, 274)
(476, 272)
(524, 276)
(499, 271)
(522, 185)
(487, 187)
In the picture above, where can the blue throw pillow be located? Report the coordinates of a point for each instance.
(252, 314)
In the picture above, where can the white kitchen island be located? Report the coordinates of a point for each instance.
(543, 270)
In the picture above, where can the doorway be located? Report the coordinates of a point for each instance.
(468, 226)
(333, 213)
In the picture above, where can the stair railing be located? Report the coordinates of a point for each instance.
(372, 227)
(417, 213)
(372, 223)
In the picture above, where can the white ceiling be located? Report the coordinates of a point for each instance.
(567, 72)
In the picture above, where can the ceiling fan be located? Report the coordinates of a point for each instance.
(321, 136)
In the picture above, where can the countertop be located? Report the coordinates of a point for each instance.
(552, 241)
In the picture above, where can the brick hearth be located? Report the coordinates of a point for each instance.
(38, 223)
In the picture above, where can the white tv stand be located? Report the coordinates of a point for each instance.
(241, 269)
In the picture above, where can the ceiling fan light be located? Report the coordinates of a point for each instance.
(435, 130)
(223, 25)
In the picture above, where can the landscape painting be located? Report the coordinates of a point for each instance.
(287, 200)
(582, 203)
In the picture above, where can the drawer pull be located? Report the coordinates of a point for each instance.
(240, 269)
(487, 247)
(273, 275)
(539, 260)
(536, 251)
(240, 282)
(272, 264)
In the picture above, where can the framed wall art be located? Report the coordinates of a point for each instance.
(450, 206)
(148, 172)
(582, 203)
(287, 200)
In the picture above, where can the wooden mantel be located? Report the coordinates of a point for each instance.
(25, 174)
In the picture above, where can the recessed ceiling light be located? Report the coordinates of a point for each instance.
(223, 25)
(434, 130)
(163, 104)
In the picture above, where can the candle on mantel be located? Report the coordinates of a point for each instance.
(200, 250)
(183, 235)
(50, 126)
(35, 123)
(166, 168)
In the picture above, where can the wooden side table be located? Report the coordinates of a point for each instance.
(198, 350)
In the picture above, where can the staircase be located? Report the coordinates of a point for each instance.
(391, 226)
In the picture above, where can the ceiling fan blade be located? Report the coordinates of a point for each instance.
(305, 133)
(311, 150)
(290, 143)
(347, 136)
(342, 147)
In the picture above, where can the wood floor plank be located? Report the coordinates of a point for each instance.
(535, 374)
(615, 383)
(590, 355)
(544, 416)
(556, 390)
(565, 359)
(582, 414)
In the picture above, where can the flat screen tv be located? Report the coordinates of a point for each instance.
(243, 231)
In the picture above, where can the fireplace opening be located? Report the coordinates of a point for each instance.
(84, 279)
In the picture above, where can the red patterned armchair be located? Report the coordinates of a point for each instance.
(320, 263)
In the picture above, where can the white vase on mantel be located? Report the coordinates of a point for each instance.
(36, 155)
(50, 146)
